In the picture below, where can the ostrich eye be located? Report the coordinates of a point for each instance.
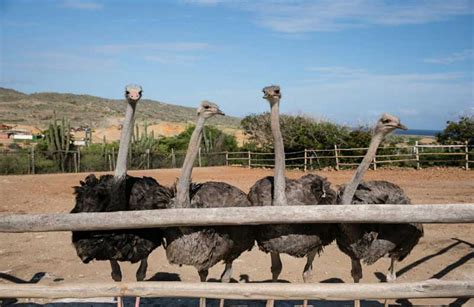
(127, 92)
(277, 91)
(385, 121)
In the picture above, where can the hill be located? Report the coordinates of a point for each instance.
(84, 110)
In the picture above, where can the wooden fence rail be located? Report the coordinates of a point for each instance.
(264, 291)
(451, 213)
(307, 156)
(415, 155)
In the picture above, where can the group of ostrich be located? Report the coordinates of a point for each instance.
(205, 246)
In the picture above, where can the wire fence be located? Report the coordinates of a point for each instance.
(418, 156)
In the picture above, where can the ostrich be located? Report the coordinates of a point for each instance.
(370, 242)
(203, 247)
(120, 192)
(297, 240)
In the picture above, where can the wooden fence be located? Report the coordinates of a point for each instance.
(452, 213)
(417, 156)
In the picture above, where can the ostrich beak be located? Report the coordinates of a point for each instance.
(403, 127)
(219, 112)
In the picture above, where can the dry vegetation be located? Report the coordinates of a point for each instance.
(85, 110)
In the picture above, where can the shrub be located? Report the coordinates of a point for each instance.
(458, 132)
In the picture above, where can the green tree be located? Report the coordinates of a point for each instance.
(214, 140)
(458, 131)
(300, 132)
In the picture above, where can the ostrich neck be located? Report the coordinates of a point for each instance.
(182, 194)
(127, 127)
(279, 196)
(350, 189)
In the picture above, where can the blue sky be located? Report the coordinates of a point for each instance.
(345, 61)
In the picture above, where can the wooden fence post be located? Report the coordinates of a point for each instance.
(173, 158)
(467, 155)
(417, 155)
(337, 157)
(250, 159)
(226, 158)
(375, 163)
(305, 160)
(79, 158)
(75, 161)
(110, 163)
(199, 156)
(33, 160)
(114, 161)
(148, 158)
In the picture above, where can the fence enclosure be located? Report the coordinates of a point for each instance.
(417, 156)
(457, 213)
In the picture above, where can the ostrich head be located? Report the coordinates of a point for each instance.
(387, 123)
(133, 93)
(208, 109)
(272, 93)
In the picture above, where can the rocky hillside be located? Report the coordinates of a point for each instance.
(84, 110)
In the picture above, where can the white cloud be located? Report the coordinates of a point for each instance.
(460, 56)
(423, 100)
(330, 74)
(82, 5)
(176, 46)
(172, 59)
(301, 16)
(64, 61)
(206, 2)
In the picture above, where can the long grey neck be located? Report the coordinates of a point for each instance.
(350, 189)
(127, 128)
(279, 196)
(182, 194)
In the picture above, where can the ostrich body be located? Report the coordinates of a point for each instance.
(203, 247)
(297, 240)
(120, 192)
(370, 242)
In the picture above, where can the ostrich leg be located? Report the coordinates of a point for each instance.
(116, 276)
(225, 277)
(276, 270)
(308, 268)
(141, 273)
(276, 265)
(203, 276)
(356, 273)
(227, 274)
(392, 274)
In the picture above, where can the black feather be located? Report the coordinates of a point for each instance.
(370, 242)
(294, 239)
(106, 194)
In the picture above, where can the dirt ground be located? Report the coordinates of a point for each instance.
(445, 252)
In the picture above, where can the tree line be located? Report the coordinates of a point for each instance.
(57, 152)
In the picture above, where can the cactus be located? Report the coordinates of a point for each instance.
(143, 142)
(59, 141)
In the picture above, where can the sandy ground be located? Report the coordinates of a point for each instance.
(445, 252)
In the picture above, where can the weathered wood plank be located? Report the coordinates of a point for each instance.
(277, 291)
(452, 213)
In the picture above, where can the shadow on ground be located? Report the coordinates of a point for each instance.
(185, 302)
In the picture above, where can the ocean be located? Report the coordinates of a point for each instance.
(417, 132)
